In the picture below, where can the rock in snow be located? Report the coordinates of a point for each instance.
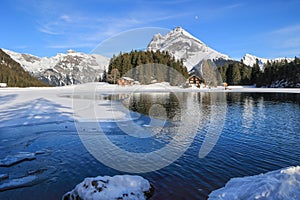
(281, 184)
(125, 187)
(11, 160)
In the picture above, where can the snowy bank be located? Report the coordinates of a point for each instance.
(281, 184)
(125, 187)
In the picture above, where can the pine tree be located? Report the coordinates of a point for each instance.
(245, 74)
(255, 72)
(114, 76)
(104, 76)
(223, 72)
(236, 75)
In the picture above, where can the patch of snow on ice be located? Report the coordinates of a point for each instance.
(281, 184)
(124, 187)
(18, 183)
(11, 160)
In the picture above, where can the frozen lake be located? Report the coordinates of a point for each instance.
(259, 132)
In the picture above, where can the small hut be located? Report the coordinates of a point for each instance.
(125, 81)
(195, 77)
(195, 80)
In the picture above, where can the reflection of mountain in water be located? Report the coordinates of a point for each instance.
(161, 106)
(169, 106)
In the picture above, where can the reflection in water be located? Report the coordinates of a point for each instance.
(160, 105)
(178, 116)
(248, 112)
(173, 103)
(211, 109)
(261, 108)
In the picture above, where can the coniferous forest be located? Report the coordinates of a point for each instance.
(272, 74)
(126, 63)
(280, 74)
(14, 75)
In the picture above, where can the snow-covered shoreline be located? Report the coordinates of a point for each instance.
(158, 87)
(78, 101)
(283, 184)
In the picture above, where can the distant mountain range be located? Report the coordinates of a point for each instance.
(250, 60)
(74, 68)
(62, 69)
(13, 75)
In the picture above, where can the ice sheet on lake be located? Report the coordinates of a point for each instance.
(281, 184)
(124, 187)
(14, 159)
(18, 182)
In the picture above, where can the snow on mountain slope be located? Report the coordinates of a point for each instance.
(182, 45)
(63, 69)
(250, 60)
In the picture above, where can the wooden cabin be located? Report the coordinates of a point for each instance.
(195, 80)
(125, 81)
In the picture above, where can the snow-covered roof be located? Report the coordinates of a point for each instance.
(127, 78)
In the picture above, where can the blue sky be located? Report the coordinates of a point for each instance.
(45, 27)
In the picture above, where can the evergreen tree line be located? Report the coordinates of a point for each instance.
(146, 66)
(14, 75)
(237, 73)
(280, 74)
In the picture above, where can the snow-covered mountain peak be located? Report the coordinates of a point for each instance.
(250, 60)
(179, 31)
(182, 45)
(71, 51)
(249, 55)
